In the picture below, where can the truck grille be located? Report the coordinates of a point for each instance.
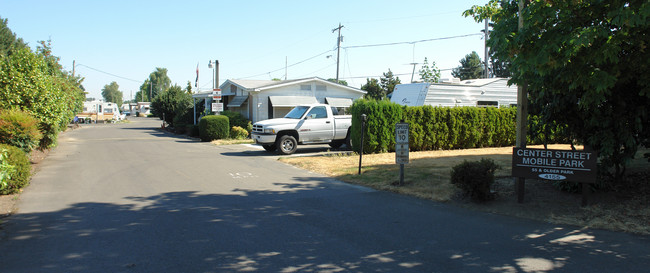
(258, 129)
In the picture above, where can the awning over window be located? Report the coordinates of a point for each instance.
(237, 101)
(291, 101)
(339, 102)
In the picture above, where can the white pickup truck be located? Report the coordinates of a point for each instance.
(304, 124)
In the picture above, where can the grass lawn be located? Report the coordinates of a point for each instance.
(428, 174)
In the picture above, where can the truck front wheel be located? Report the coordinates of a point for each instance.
(287, 145)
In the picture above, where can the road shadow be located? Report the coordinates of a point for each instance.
(303, 150)
(287, 231)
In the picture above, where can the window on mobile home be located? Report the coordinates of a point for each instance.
(487, 103)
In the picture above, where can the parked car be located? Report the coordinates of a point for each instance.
(304, 124)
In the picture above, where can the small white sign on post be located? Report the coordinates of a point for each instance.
(402, 143)
(217, 107)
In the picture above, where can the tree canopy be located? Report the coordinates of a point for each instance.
(35, 82)
(430, 74)
(111, 93)
(388, 82)
(373, 90)
(170, 103)
(585, 64)
(471, 67)
(157, 82)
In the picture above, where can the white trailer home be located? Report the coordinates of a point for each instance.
(99, 110)
(493, 92)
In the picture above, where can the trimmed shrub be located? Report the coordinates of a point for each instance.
(22, 169)
(380, 125)
(214, 127)
(18, 128)
(237, 132)
(475, 178)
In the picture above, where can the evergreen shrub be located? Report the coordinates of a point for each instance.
(214, 127)
(22, 169)
(475, 178)
(18, 128)
(236, 119)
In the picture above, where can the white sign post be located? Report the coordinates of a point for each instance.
(217, 107)
(401, 148)
(216, 97)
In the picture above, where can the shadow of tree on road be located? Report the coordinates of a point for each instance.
(281, 231)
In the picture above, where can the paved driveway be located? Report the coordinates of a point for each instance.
(130, 198)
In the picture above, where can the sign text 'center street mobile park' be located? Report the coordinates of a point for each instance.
(559, 165)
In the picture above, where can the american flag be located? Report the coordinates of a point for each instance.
(196, 83)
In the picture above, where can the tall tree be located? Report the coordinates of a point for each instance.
(111, 93)
(388, 82)
(586, 65)
(188, 88)
(157, 82)
(471, 67)
(428, 73)
(373, 90)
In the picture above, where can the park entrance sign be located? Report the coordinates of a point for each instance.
(556, 165)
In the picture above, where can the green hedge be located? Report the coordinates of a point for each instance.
(237, 119)
(19, 172)
(214, 127)
(435, 128)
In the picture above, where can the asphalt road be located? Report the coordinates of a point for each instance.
(131, 198)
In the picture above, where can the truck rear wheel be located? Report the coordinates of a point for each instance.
(286, 145)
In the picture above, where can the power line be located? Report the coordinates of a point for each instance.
(414, 42)
(294, 64)
(107, 73)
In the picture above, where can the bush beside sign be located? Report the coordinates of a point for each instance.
(556, 165)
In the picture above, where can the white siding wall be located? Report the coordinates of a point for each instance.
(262, 98)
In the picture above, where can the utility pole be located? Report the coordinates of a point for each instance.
(338, 50)
(487, 74)
(73, 62)
(522, 115)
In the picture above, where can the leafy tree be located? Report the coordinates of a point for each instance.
(8, 40)
(27, 83)
(188, 88)
(157, 82)
(171, 102)
(111, 93)
(470, 67)
(428, 73)
(343, 82)
(388, 82)
(373, 90)
(586, 65)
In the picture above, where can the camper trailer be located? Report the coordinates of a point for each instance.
(99, 111)
(493, 92)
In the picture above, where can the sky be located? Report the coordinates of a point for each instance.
(125, 41)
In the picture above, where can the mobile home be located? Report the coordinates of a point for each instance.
(493, 92)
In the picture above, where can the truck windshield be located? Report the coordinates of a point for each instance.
(297, 112)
